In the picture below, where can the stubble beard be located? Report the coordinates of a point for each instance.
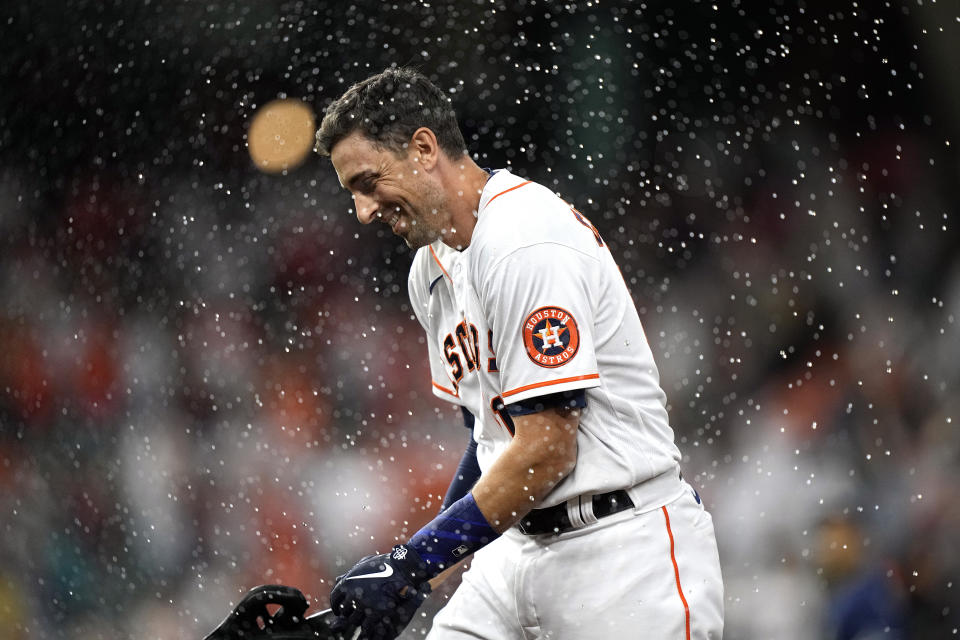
(424, 227)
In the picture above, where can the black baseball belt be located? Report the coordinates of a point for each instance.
(556, 520)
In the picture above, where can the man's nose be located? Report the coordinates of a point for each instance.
(366, 207)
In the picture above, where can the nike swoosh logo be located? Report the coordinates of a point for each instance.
(386, 573)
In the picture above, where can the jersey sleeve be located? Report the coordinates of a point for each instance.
(418, 285)
(539, 302)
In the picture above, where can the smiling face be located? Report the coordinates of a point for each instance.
(391, 187)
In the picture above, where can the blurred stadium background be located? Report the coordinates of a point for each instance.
(210, 378)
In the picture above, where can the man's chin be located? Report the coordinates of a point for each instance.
(415, 240)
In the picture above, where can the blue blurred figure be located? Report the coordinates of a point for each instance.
(866, 600)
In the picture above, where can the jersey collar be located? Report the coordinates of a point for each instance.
(442, 259)
(500, 181)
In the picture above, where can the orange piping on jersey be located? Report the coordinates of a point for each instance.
(537, 385)
(445, 390)
(440, 264)
(505, 191)
(676, 573)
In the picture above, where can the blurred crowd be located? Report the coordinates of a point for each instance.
(212, 383)
(165, 447)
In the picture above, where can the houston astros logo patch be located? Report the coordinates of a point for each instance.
(551, 336)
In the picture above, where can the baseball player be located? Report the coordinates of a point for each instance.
(569, 497)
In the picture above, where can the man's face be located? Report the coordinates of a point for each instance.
(390, 187)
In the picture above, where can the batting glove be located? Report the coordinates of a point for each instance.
(381, 594)
(251, 619)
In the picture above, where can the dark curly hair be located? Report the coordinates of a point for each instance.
(387, 108)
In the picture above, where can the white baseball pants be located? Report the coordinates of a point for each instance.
(653, 575)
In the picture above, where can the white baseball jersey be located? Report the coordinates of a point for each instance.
(536, 305)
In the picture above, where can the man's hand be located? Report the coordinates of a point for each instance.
(381, 593)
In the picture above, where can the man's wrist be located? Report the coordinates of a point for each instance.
(406, 559)
(457, 532)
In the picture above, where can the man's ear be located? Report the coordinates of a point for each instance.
(424, 147)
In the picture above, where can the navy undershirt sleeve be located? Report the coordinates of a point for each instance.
(468, 471)
(468, 419)
(573, 399)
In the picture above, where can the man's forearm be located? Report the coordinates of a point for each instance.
(466, 475)
(542, 453)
